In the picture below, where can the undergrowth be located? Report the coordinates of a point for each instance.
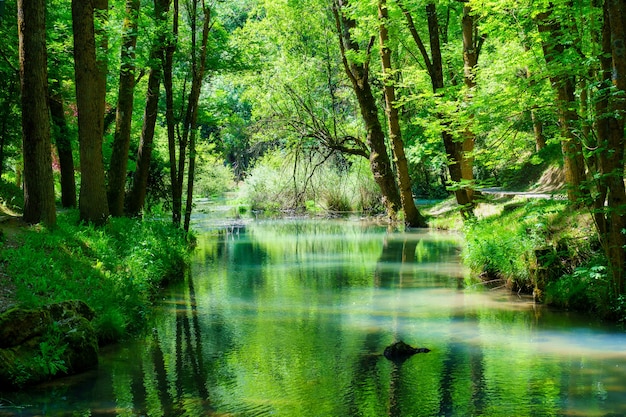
(115, 269)
(544, 248)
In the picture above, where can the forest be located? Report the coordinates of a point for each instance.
(120, 108)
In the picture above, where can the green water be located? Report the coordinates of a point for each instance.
(290, 317)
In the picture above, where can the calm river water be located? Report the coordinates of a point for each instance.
(290, 317)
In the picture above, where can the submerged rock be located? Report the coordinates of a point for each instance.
(36, 345)
(400, 351)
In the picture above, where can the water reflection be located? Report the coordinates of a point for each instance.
(289, 318)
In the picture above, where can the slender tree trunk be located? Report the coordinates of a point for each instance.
(358, 73)
(38, 183)
(198, 68)
(455, 151)
(90, 96)
(412, 216)
(123, 118)
(64, 148)
(137, 196)
(564, 86)
(471, 49)
(170, 119)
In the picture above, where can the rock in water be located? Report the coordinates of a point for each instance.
(400, 351)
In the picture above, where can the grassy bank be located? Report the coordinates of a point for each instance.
(540, 247)
(116, 269)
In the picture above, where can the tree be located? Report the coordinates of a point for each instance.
(564, 83)
(412, 215)
(609, 204)
(198, 67)
(64, 149)
(457, 151)
(90, 70)
(358, 73)
(123, 118)
(38, 184)
(137, 197)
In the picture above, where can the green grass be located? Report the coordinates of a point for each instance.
(116, 269)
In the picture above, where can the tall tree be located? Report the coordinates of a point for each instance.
(455, 150)
(64, 149)
(358, 73)
(412, 216)
(555, 47)
(170, 119)
(138, 191)
(123, 118)
(90, 69)
(198, 66)
(38, 183)
(610, 197)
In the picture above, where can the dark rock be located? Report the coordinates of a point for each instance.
(36, 345)
(18, 325)
(400, 351)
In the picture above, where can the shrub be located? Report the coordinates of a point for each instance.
(334, 185)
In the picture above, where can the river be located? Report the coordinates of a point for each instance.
(290, 318)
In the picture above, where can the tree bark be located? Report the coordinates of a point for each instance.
(358, 73)
(564, 86)
(39, 203)
(170, 119)
(610, 206)
(455, 150)
(138, 191)
(123, 118)
(412, 216)
(198, 67)
(90, 96)
(64, 149)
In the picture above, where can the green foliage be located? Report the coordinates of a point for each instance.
(214, 178)
(115, 269)
(588, 288)
(11, 195)
(503, 246)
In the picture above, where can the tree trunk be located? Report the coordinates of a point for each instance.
(90, 96)
(455, 151)
(198, 67)
(412, 216)
(358, 73)
(137, 196)
(613, 160)
(471, 49)
(38, 183)
(64, 148)
(170, 120)
(123, 118)
(564, 85)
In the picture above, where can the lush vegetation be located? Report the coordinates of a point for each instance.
(326, 105)
(117, 269)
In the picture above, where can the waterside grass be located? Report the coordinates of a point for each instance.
(116, 269)
(542, 247)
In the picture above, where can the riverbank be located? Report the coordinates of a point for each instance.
(536, 246)
(116, 269)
